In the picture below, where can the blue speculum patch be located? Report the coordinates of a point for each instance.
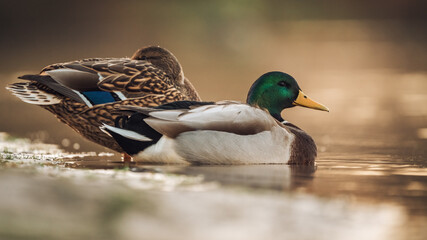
(99, 97)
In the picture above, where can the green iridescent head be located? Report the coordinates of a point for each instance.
(276, 91)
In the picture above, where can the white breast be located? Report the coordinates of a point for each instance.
(163, 152)
(212, 147)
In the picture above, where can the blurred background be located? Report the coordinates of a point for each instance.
(365, 60)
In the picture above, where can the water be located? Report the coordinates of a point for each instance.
(368, 174)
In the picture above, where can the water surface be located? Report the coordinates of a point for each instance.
(377, 172)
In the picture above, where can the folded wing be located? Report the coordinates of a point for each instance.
(229, 117)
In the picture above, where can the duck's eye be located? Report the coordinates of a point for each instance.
(284, 84)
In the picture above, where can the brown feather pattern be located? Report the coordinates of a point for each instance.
(153, 76)
(303, 148)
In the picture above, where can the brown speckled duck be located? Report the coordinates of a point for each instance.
(222, 132)
(83, 93)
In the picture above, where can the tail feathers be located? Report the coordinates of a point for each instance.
(31, 77)
(29, 93)
(55, 86)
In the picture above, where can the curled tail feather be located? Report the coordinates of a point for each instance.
(29, 93)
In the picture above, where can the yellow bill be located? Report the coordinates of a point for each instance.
(304, 101)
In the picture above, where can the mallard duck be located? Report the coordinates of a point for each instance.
(224, 132)
(83, 93)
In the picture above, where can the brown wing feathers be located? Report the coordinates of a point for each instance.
(133, 76)
(106, 113)
(150, 80)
